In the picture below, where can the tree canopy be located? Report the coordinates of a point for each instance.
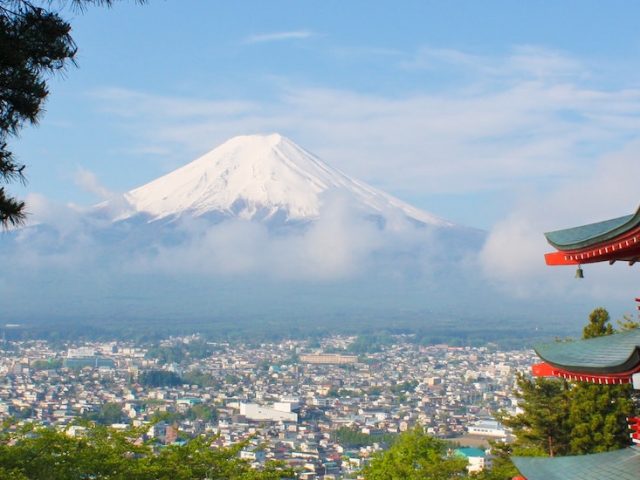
(103, 453)
(160, 378)
(416, 455)
(599, 324)
(598, 413)
(543, 426)
(35, 42)
(559, 418)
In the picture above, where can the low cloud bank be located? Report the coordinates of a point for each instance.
(72, 263)
(342, 243)
(77, 260)
(512, 256)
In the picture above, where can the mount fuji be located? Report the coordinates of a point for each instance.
(256, 228)
(267, 178)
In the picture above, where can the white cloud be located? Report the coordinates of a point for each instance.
(339, 245)
(429, 58)
(279, 36)
(89, 182)
(521, 62)
(513, 253)
(134, 104)
(460, 142)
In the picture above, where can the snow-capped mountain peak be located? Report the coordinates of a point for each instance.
(259, 177)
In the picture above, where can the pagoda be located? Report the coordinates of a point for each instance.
(609, 360)
(612, 240)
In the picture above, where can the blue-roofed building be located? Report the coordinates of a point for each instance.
(477, 458)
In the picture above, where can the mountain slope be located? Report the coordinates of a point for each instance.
(306, 254)
(259, 177)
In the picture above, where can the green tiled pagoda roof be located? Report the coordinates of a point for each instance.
(587, 235)
(617, 465)
(615, 353)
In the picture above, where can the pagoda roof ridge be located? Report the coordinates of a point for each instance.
(615, 353)
(592, 234)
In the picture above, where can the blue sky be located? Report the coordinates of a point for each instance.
(462, 108)
(513, 117)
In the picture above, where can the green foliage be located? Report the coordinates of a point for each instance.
(22, 413)
(333, 393)
(543, 426)
(370, 343)
(232, 379)
(160, 378)
(502, 468)
(627, 323)
(404, 387)
(51, 364)
(374, 391)
(198, 377)
(202, 412)
(354, 438)
(343, 392)
(164, 355)
(102, 453)
(416, 456)
(108, 414)
(46, 453)
(167, 417)
(598, 417)
(599, 324)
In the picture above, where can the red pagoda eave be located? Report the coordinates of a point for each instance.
(625, 248)
(546, 370)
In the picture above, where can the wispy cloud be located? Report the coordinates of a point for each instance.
(279, 36)
(522, 61)
(534, 126)
(88, 181)
(114, 100)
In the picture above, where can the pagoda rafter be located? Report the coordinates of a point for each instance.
(609, 360)
(610, 241)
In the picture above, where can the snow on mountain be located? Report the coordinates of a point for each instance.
(259, 177)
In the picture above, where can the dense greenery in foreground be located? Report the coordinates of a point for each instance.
(106, 454)
(102, 453)
(417, 456)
